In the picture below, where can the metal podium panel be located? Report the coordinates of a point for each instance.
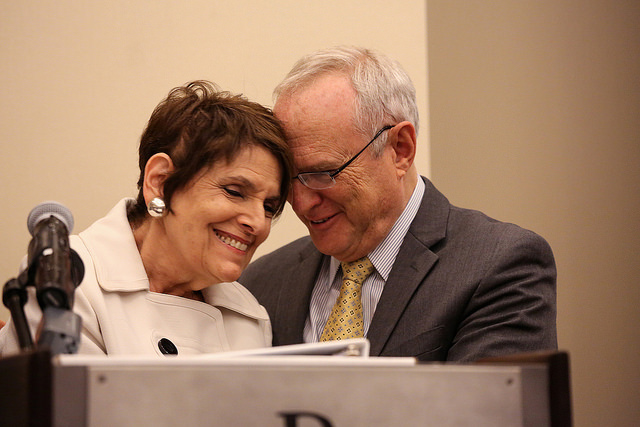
(284, 391)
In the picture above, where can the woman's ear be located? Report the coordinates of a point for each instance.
(156, 171)
(403, 142)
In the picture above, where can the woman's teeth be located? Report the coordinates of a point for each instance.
(232, 242)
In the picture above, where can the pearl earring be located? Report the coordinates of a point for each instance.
(156, 207)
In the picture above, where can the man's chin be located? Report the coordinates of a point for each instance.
(327, 245)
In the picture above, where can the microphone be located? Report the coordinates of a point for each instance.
(55, 268)
(47, 209)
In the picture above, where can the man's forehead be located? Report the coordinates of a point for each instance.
(319, 151)
(330, 95)
(318, 120)
(316, 152)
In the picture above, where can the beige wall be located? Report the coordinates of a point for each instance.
(535, 108)
(80, 79)
(535, 119)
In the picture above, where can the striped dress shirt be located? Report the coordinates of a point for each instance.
(327, 287)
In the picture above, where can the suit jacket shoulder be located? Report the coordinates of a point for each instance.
(465, 286)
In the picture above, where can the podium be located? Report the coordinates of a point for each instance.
(283, 391)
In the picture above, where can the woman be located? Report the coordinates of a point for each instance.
(161, 269)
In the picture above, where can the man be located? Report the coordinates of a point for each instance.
(447, 284)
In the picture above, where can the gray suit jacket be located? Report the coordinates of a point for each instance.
(463, 287)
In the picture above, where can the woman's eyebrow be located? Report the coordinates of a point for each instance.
(239, 179)
(251, 186)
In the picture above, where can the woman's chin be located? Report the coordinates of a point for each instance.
(230, 275)
(228, 270)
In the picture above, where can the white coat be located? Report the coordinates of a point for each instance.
(121, 316)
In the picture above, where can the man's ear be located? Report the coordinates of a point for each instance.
(157, 170)
(403, 141)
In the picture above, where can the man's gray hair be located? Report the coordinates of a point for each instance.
(385, 94)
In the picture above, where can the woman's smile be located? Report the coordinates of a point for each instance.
(231, 241)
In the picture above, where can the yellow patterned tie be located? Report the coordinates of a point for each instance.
(346, 319)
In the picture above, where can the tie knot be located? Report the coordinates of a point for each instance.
(357, 270)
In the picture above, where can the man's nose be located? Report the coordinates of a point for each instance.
(302, 197)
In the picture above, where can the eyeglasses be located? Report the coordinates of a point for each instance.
(326, 179)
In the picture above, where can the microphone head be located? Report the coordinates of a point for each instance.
(46, 209)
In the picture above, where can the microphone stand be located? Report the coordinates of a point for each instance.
(60, 331)
(14, 297)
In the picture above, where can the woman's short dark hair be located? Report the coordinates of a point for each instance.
(198, 125)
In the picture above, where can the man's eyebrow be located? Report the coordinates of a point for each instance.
(320, 167)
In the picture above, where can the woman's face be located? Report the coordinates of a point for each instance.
(220, 219)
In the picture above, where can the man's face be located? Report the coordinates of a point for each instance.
(351, 218)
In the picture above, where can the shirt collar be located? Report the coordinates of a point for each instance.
(384, 255)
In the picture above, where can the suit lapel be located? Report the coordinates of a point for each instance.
(412, 265)
(293, 301)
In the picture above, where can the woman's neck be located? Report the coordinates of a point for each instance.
(163, 276)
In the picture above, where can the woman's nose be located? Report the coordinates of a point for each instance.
(255, 219)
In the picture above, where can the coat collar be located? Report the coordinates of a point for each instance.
(114, 253)
(119, 268)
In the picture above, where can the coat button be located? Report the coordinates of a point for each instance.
(167, 347)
